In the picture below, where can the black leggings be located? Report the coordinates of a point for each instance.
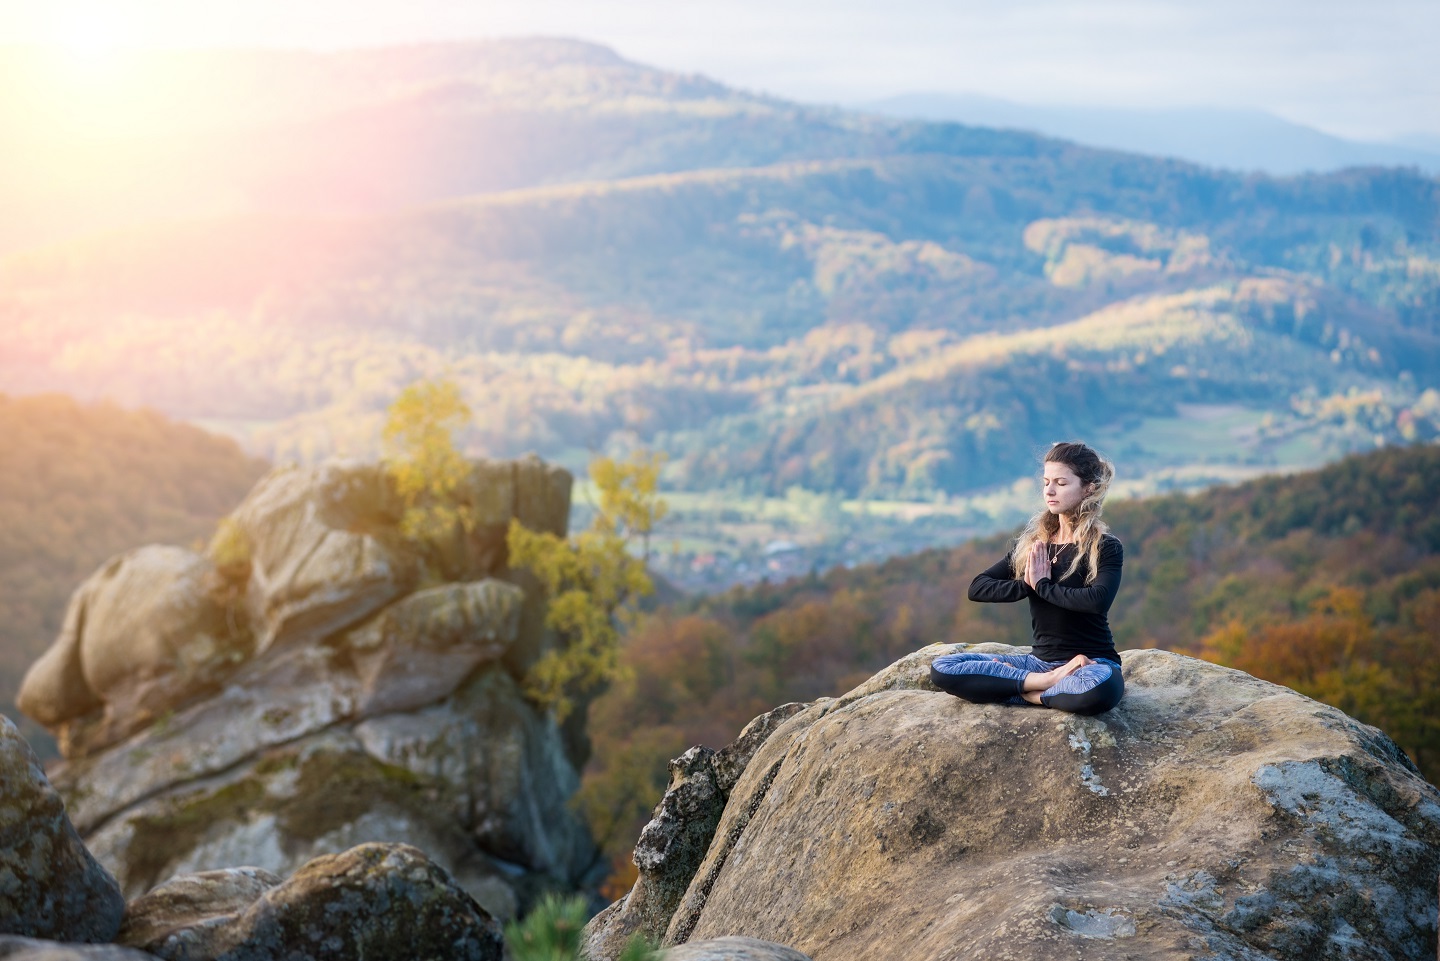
(999, 678)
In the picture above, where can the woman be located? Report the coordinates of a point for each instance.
(1067, 564)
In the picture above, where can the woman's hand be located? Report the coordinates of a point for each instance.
(1037, 565)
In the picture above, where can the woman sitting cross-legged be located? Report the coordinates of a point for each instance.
(1067, 564)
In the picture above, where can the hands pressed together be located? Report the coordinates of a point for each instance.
(1037, 565)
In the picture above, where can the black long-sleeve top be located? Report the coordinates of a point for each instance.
(1068, 616)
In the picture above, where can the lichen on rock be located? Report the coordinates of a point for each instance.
(50, 886)
(372, 901)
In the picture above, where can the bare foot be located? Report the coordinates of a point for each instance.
(1038, 682)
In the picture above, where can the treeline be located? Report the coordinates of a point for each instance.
(80, 483)
(1328, 582)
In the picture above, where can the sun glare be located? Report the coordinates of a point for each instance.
(90, 38)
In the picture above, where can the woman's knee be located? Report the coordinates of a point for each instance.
(976, 688)
(1097, 699)
(951, 663)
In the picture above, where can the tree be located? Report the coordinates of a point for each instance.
(428, 469)
(593, 579)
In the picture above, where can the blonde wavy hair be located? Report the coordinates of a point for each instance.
(1096, 473)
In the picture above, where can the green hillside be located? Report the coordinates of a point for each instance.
(1327, 581)
(79, 484)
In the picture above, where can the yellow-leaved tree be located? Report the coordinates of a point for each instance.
(428, 469)
(593, 579)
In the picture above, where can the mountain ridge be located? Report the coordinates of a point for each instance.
(1232, 138)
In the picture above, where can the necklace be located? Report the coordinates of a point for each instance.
(1055, 551)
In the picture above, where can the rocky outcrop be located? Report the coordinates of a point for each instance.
(50, 886)
(377, 695)
(1210, 814)
(674, 843)
(374, 901)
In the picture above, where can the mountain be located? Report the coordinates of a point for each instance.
(785, 299)
(1213, 136)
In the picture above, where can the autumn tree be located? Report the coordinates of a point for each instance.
(427, 467)
(592, 579)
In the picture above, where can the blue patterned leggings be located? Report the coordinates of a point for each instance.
(998, 678)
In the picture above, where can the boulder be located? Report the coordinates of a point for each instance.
(142, 636)
(193, 900)
(367, 711)
(50, 886)
(1210, 813)
(323, 550)
(734, 949)
(13, 948)
(372, 901)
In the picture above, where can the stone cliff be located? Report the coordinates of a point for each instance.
(1209, 815)
(318, 684)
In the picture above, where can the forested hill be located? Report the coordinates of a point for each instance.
(777, 295)
(80, 483)
(1327, 581)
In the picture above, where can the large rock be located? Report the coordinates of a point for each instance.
(368, 711)
(143, 635)
(50, 886)
(373, 901)
(1210, 814)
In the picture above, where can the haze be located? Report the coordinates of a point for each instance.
(1357, 70)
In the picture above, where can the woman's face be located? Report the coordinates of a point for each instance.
(1063, 489)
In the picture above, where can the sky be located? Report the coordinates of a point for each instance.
(1363, 70)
